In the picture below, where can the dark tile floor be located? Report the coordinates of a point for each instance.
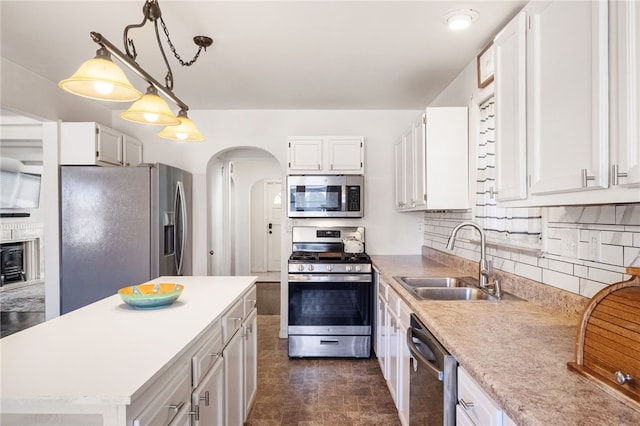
(316, 391)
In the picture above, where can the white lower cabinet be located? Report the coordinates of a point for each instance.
(233, 360)
(250, 328)
(167, 398)
(475, 407)
(208, 398)
(393, 317)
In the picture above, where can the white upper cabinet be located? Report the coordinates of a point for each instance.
(431, 161)
(510, 93)
(89, 143)
(326, 155)
(567, 117)
(625, 150)
(568, 96)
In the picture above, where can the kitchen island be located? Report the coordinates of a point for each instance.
(107, 363)
(516, 350)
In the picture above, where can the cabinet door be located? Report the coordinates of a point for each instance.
(392, 353)
(209, 397)
(234, 392)
(419, 148)
(568, 103)
(404, 365)
(409, 168)
(381, 335)
(510, 106)
(131, 151)
(345, 154)
(398, 155)
(625, 169)
(250, 328)
(109, 146)
(305, 155)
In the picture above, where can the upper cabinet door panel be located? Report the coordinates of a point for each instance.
(305, 154)
(568, 96)
(626, 161)
(511, 114)
(345, 154)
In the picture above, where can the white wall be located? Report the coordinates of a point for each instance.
(268, 130)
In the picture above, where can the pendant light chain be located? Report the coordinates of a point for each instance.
(173, 48)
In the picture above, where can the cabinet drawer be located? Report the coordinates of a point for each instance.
(250, 300)
(207, 355)
(173, 397)
(479, 406)
(232, 320)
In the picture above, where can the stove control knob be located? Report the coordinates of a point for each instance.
(358, 268)
(329, 267)
(349, 268)
(300, 268)
(310, 267)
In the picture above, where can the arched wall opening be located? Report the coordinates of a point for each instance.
(235, 204)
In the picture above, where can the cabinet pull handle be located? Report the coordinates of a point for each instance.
(622, 378)
(586, 178)
(253, 301)
(466, 405)
(176, 407)
(196, 412)
(215, 354)
(615, 174)
(492, 193)
(329, 342)
(205, 398)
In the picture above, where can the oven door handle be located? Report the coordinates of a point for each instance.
(411, 333)
(329, 278)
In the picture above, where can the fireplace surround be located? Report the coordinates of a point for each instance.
(21, 243)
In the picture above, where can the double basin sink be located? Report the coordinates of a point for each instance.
(449, 288)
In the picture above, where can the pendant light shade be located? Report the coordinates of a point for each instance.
(100, 78)
(151, 109)
(185, 131)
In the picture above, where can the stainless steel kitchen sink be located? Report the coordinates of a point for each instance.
(414, 282)
(449, 288)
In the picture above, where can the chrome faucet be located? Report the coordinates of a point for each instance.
(485, 270)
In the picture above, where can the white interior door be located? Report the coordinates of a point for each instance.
(273, 204)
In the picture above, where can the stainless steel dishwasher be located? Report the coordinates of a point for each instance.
(432, 390)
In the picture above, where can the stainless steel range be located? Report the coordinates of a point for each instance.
(330, 293)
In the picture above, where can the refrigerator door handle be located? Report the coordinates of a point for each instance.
(181, 228)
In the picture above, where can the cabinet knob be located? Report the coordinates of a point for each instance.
(622, 378)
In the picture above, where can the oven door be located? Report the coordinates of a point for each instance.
(330, 315)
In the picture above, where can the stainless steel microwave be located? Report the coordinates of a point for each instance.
(326, 196)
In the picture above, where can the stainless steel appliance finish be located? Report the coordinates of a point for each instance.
(330, 295)
(339, 196)
(432, 391)
(121, 226)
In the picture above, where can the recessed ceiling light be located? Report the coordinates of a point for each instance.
(460, 19)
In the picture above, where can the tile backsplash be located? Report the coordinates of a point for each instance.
(582, 250)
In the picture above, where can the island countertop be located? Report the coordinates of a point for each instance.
(517, 351)
(106, 352)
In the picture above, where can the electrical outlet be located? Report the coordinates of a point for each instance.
(595, 244)
(419, 227)
(569, 239)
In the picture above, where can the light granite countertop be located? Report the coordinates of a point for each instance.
(516, 350)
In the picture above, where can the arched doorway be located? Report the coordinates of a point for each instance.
(238, 211)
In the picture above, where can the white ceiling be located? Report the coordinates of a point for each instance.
(267, 54)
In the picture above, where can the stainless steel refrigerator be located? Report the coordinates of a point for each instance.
(121, 226)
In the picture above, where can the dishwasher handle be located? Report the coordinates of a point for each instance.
(411, 333)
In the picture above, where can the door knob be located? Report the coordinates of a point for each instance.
(211, 252)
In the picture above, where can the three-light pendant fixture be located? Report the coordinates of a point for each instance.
(102, 79)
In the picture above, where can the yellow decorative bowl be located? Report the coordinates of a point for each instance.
(149, 296)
